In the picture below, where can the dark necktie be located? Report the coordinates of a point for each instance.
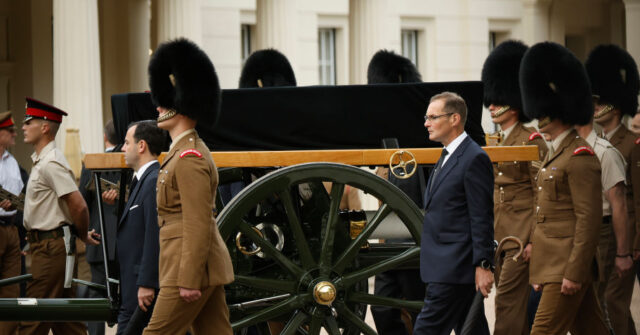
(438, 167)
(133, 183)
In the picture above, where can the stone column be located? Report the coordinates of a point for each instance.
(367, 34)
(139, 43)
(276, 26)
(535, 21)
(179, 18)
(632, 13)
(77, 85)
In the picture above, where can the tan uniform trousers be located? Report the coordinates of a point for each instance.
(579, 313)
(207, 315)
(512, 294)
(48, 258)
(9, 267)
(606, 254)
(618, 297)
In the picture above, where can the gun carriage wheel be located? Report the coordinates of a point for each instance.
(309, 273)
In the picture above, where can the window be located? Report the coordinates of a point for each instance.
(497, 37)
(410, 45)
(327, 56)
(246, 42)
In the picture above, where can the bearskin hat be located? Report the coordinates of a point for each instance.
(386, 67)
(554, 84)
(269, 66)
(182, 77)
(500, 76)
(614, 77)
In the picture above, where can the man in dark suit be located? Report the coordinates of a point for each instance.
(456, 254)
(137, 244)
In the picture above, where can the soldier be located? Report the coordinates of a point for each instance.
(194, 260)
(513, 195)
(10, 181)
(267, 68)
(615, 85)
(555, 90)
(387, 67)
(614, 211)
(52, 202)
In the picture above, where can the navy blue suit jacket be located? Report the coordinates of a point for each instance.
(138, 243)
(457, 232)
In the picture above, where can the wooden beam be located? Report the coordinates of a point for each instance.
(351, 157)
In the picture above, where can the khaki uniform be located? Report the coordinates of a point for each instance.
(10, 260)
(192, 252)
(44, 215)
(620, 289)
(613, 168)
(565, 238)
(514, 204)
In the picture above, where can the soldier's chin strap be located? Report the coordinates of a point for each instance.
(70, 247)
(501, 111)
(604, 111)
(166, 116)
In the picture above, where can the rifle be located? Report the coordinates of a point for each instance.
(17, 201)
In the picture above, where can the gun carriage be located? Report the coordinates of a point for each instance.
(297, 257)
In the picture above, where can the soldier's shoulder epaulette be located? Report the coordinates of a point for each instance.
(583, 150)
(637, 140)
(191, 152)
(535, 135)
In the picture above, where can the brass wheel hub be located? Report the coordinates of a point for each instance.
(324, 293)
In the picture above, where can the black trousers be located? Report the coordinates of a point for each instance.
(401, 284)
(445, 309)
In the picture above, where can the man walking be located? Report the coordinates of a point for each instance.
(52, 202)
(194, 260)
(456, 254)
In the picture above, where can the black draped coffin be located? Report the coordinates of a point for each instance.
(316, 117)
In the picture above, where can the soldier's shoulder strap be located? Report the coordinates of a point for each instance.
(583, 150)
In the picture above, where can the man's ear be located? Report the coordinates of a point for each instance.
(142, 146)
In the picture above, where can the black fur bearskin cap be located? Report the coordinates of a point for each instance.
(182, 77)
(554, 84)
(269, 66)
(614, 77)
(386, 67)
(500, 76)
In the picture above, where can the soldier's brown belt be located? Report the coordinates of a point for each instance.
(39, 235)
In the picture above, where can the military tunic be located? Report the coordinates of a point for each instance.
(192, 252)
(514, 206)
(620, 289)
(565, 238)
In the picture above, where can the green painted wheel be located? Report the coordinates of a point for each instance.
(307, 273)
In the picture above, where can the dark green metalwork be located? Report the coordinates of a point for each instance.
(280, 285)
(15, 280)
(30, 309)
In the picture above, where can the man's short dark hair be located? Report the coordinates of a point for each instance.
(148, 131)
(453, 103)
(110, 132)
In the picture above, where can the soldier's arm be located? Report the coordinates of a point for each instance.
(79, 214)
(635, 183)
(61, 181)
(586, 188)
(534, 167)
(193, 178)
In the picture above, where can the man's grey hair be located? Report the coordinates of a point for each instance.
(453, 103)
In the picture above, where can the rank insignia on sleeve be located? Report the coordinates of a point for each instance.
(580, 150)
(534, 135)
(638, 140)
(191, 152)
